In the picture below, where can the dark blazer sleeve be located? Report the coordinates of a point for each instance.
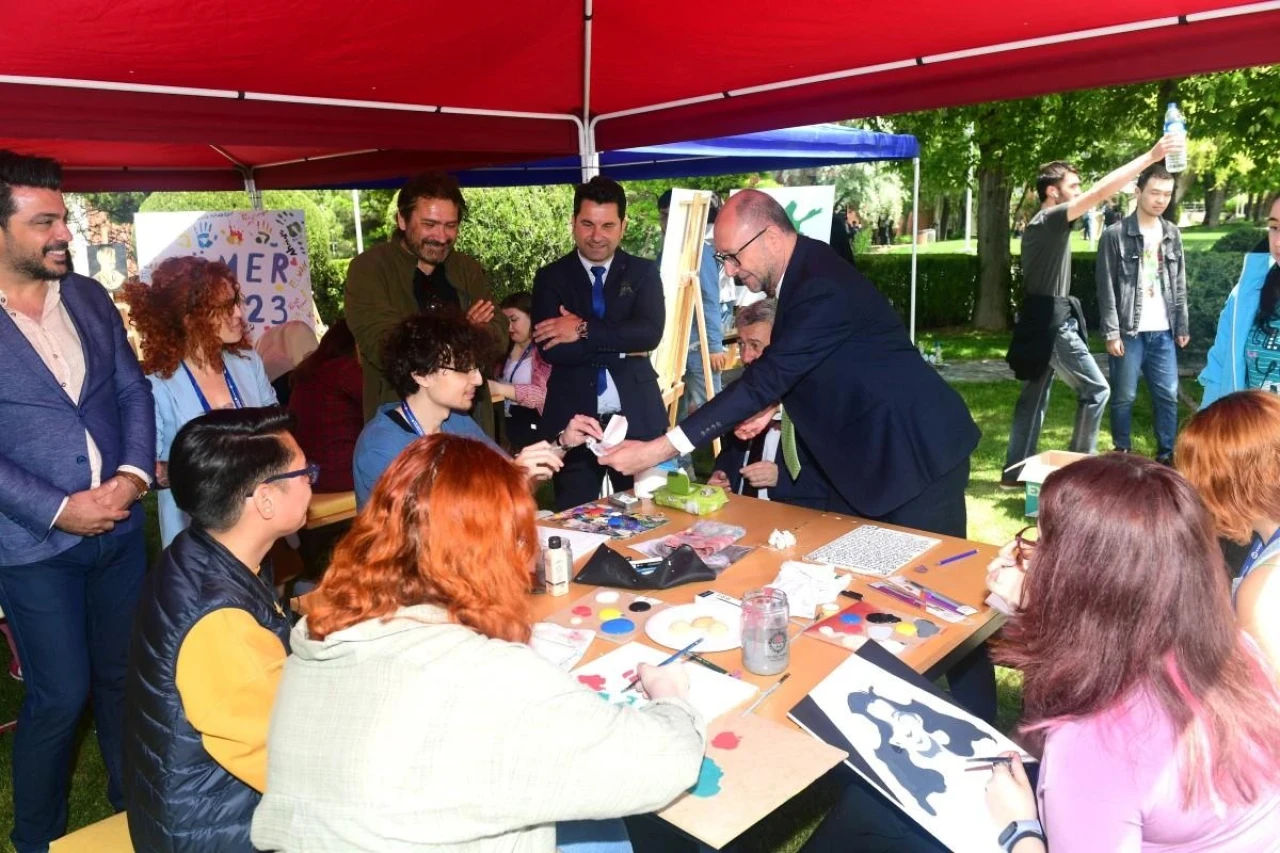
(547, 299)
(812, 323)
(730, 459)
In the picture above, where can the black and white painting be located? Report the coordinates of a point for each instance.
(913, 746)
(109, 264)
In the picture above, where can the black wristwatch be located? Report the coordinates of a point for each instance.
(582, 330)
(1018, 830)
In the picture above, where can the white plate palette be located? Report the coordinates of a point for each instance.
(615, 615)
(719, 626)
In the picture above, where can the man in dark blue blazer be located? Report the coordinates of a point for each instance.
(889, 437)
(597, 313)
(79, 449)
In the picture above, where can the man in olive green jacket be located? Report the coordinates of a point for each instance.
(418, 271)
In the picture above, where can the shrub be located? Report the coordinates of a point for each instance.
(946, 286)
(1241, 240)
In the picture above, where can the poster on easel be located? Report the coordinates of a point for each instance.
(809, 208)
(265, 249)
(681, 259)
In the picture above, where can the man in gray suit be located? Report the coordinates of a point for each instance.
(79, 449)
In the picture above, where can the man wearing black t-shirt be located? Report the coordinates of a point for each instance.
(419, 271)
(1050, 336)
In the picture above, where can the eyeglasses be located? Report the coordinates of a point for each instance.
(311, 472)
(462, 370)
(1025, 542)
(724, 257)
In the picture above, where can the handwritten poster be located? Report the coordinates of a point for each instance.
(266, 250)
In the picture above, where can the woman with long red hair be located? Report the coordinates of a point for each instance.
(1158, 719)
(413, 714)
(196, 354)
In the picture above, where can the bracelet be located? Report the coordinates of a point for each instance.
(138, 483)
(560, 441)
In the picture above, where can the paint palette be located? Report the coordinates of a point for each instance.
(859, 622)
(719, 626)
(615, 615)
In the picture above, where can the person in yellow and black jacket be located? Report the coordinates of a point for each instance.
(210, 636)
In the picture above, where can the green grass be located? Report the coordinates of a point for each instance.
(1194, 239)
(995, 516)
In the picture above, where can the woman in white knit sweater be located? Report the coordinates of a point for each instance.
(412, 716)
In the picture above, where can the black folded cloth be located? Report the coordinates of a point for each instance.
(609, 568)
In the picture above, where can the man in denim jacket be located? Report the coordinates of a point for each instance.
(1142, 300)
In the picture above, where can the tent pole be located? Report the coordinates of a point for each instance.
(968, 211)
(586, 136)
(355, 208)
(251, 187)
(915, 240)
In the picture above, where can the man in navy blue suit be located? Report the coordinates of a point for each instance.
(79, 449)
(889, 438)
(597, 313)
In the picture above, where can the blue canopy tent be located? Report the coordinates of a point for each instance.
(791, 148)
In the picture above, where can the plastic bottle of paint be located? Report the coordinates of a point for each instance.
(557, 565)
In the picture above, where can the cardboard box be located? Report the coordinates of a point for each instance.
(1036, 468)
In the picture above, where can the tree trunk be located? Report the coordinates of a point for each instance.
(1215, 198)
(944, 219)
(994, 281)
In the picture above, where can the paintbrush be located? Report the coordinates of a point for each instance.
(990, 762)
(708, 664)
(675, 656)
(765, 695)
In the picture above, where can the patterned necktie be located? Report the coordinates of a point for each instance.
(790, 455)
(597, 310)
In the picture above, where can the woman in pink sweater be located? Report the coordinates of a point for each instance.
(1157, 718)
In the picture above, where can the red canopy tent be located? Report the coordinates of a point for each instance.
(156, 94)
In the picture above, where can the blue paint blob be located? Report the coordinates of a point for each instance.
(618, 626)
(850, 618)
(708, 784)
(925, 628)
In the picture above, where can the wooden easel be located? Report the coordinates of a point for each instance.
(671, 356)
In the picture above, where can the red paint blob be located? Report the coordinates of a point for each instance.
(726, 740)
(595, 682)
(581, 610)
(629, 675)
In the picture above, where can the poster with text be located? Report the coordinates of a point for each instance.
(810, 208)
(266, 250)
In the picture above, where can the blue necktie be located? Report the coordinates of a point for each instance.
(597, 309)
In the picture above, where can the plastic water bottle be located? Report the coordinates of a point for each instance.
(937, 353)
(1176, 161)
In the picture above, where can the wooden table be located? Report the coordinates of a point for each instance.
(811, 659)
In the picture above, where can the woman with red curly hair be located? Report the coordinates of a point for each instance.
(413, 715)
(196, 353)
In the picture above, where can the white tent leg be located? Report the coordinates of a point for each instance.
(255, 197)
(915, 241)
(968, 214)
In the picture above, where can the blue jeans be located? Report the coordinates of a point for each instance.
(72, 618)
(1074, 364)
(1155, 356)
(695, 392)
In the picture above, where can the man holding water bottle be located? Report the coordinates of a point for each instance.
(1050, 335)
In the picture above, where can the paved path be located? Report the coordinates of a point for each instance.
(995, 369)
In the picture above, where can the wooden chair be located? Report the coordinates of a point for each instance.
(105, 836)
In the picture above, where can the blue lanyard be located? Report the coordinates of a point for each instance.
(236, 399)
(409, 416)
(511, 377)
(1256, 551)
